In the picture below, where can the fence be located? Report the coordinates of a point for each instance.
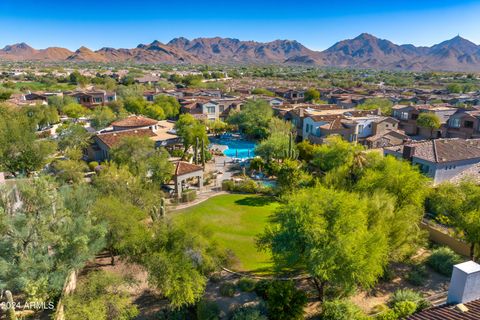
(68, 287)
(441, 237)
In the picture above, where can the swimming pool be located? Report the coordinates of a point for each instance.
(234, 147)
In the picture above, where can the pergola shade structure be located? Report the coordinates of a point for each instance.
(185, 171)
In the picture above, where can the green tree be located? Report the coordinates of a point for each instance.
(143, 159)
(154, 111)
(312, 95)
(42, 116)
(454, 88)
(385, 105)
(407, 188)
(48, 234)
(178, 261)
(190, 130)
(279, 143)
(101, 296)
(120, 182)
(284, 301)
(125, 223)
(102, 117)
(263, 92)
(74, 111)
(135, 105)
(170, 105)
(430, 121)
(291, 176)
(461, 205)
(5, 94)
(254, 119)
(73, 136)
(20, 150)
(319, 229)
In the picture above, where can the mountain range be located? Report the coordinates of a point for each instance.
(364, 51)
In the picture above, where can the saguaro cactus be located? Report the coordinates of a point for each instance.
(203, 153)
(195, 156)
(10, 306)
(163, 209)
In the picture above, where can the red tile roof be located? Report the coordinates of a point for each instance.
(449, 312)
(183, 167)
(112, 138)
(135, 121)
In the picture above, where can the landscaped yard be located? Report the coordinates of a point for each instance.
(235, 221)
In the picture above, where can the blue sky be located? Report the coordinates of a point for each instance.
(316, 24)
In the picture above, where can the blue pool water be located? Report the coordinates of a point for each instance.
(235, 148)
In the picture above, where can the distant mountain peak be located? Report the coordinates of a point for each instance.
(363, 51)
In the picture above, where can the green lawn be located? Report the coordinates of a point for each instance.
(235, 220)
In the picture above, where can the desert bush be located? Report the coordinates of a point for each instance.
(246, 285)
(227, 289)
(261, 288)
(284, 301)
(418, 275)
(92, 165)
(443, 259)
(248, 313)
(404, 309)
(189, 195)
(207, 310)
(341, 310)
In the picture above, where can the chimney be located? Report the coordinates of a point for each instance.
(465, 283)
(408, 151)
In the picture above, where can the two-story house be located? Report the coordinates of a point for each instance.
(93, 98)
(162, 132)
(440, 159)
(464, 124)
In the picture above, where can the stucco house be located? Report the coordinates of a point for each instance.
(440, 159)
(162, 132)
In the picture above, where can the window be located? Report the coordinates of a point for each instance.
(210, 109)
(468, 124)
(404, 115)
(222, 108)
(97, 99)
(414, 116)
(360, 129)
(455, 123)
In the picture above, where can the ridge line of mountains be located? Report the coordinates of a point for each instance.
(364, 51)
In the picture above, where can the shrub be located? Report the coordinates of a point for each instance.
(341, 310)
(405, 308)
(246, 285)
(387, 315)
(261, 288)
(92, 165)
(227, 289)
(284, 301)
(443, 259)
(248, 313)
(207, 310)
(411, 296)
(173, 314)
(177, 153)
(189, 195)
(405, 295)
(418, 275)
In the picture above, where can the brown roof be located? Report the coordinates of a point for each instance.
(326, 118)
(135, 121)
(447, 150)
(185, 167)
(449, 312)
(112, 138)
